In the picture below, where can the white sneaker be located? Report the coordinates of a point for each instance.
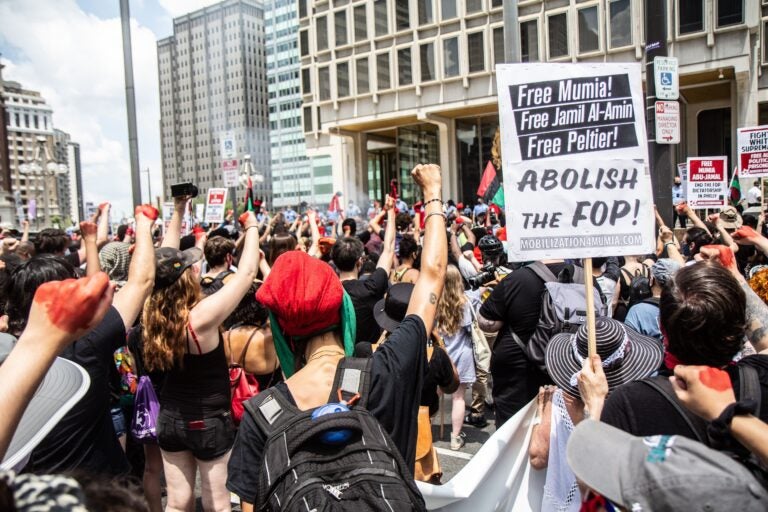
(457, 442)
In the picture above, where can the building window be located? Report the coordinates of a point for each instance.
(474, 6)
(402, 15)
(381, 17)
(342, 79)
(426, 15)
(304, 42)
(730, 12)
(322, 33)
(451, 57)
(306, 84)
(382, 71)
(620, 12)
(557, 31)
(324, 83)
(691, 13)
(361, 23)
(363, 85)
(340, 28)
(302, 8)
(307, 119)
(498, 45)
(448, 9)
(497, 3)
(589, 30)
(476, 52)
(427, 55)
(529, 41)
(404, 71)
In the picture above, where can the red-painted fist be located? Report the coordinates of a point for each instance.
(745, 232)
(71, 305)
(243, 219)
(103, 205)
(148, 211)
(88, 228)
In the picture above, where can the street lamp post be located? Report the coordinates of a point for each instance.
(42, 165)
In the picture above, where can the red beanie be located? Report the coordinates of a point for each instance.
(304, 294)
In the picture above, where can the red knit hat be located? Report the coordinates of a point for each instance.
(303, 293)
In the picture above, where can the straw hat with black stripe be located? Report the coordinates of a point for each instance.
(626, 354)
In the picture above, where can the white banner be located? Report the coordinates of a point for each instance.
(498, 478)
(575, 151)
(214, 205)
(707, 182)
(753, 152)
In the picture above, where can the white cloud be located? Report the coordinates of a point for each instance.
(75, 60)
(180, 7)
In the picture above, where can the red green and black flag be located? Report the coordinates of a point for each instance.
(735, 192)
(490, 188)
(249, 196)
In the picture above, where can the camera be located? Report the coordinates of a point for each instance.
(485, 276)
(183, 189)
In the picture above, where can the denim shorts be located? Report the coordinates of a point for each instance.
(207, 438)
(118, 421)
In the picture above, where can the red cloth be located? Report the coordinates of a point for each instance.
(495, 209)
(304, 294)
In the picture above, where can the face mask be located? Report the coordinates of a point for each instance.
(686, 250)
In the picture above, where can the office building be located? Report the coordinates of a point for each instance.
(212, 80)
(295, 177)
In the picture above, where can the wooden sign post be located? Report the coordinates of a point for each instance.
(589, 285)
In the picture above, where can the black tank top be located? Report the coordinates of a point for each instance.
(200, 388)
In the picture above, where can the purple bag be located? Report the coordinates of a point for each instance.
(145, 411)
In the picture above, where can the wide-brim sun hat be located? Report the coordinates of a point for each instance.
(391, 310)
(626, 355)
(64, 384)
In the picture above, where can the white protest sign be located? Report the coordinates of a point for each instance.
(228, 145)
(575, 151)
(682, 171)
(667, 122)
(753, 152)
(229, 172)
(666, 78)
(214, 205)
(168, 213)
(199, 211)
(707, 182)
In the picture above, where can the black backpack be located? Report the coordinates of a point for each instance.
(563, 309)
(210, 285)
(639, 287)
(301, 473)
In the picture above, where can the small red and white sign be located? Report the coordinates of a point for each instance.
(667, 122)
(707, 182)
(753, 152)
(214, 205)
(229, 172)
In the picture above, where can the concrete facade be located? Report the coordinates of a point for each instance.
(213, 79)
(414, 79)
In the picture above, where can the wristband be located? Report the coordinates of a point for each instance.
(432, 201)
(670, 243)
(434, 213)
(250, 227)
(720, 426)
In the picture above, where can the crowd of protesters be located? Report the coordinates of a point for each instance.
(237, 324)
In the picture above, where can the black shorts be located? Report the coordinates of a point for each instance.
(207, 438)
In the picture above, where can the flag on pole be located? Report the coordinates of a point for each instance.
(490, 188)
(249, 196)
(735, 192)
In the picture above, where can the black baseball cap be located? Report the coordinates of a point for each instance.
(171, 263)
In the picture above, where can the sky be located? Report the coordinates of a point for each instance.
(71, 52)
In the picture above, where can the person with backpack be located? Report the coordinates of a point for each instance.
(643, 315)
(219, 255)
(634, 266)
(339, 431)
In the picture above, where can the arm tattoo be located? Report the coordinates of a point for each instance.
(432, 298)
(757, 319)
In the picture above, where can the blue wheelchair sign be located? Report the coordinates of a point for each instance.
(666, 78)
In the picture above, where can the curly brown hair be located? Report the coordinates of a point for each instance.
(164, 322)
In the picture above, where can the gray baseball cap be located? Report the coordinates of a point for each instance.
(63, 386)
(660, 473)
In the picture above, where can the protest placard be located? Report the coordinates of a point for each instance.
(707, 182)
(575, 151)
(229, 172)
(214, 205)
(168, 213)
(753, 152)
(682, 171)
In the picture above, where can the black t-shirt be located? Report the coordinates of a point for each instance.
(397, 376)
(365, 294)
(439, 374)
(85, 438)
(516, 301)
(73, 258)
(640, 410)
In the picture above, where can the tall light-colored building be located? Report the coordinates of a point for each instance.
(389, 84)
(295, 177)
(212, 79)
(29, 123)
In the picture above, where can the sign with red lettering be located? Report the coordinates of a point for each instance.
(229, 172)
(753, 152)
(707, 182)
(214, 205)
(667, 122)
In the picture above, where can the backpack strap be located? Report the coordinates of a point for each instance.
(241, 359)
(651, 300)
(749, 385)
(353, 379)
(697, 425)
(270, 409)
(542, 271)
